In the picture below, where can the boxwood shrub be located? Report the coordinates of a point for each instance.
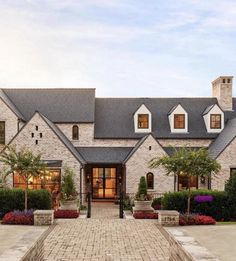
(219, 208)
(13, 199)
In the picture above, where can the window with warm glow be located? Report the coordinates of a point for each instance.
(75, 132)
(179, 121)
(215, 121)
(50, 181)
(150, 181)
(184, 182)
(2, 132)
(143, 121)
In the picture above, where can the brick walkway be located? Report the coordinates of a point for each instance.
(104, 210)
(104, 239)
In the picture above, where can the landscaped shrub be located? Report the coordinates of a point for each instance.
(66, 214)
(19, 218)
(13, 199)
(219, 208)
(143, 215)
(185, 220)
(230, 188)
(156, 203)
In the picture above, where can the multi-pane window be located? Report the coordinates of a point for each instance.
(143, 121)
(150, 180)
(75, 132)
(185, 181)
(215, 121)
(2, 132)
(232, 171)
(179, 121)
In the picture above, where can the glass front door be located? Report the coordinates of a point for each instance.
(104, 183)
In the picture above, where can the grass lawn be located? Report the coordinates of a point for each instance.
(226, 223)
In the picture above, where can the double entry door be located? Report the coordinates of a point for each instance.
(104, 183)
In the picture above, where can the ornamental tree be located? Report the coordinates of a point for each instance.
(25, 164)
(188, 162)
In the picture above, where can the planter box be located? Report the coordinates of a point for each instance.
(142, 206)
(168, 217)
(69, 205)
(43, 217)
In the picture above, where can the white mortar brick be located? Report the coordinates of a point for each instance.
(138, 165)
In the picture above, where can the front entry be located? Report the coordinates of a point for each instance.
(104, 183)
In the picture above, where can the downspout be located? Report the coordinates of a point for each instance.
(80, 184)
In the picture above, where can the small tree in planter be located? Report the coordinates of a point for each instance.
(142, 199)
(69, 193)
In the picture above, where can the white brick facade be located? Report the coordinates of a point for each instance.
(138, 165)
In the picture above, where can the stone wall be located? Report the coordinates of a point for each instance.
(227, 159)
(49, 146)
(11, 122)
(138, 165)
(185, 142)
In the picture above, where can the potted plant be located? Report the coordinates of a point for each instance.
(69, 194)
(142, 200)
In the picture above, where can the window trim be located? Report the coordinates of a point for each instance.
(76, 129)
(143, 114)
(4, 140)
(213, 115)
(179, 128)
(150, 174)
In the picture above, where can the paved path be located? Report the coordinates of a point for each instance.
(105, 237)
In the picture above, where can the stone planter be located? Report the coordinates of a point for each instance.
(142, 206)
(69, 205)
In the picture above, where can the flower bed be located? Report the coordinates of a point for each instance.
(143, 215)
(19, 218)
(66, 214)
(185, 220)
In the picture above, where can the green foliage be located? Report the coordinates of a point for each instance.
(190, 163)
(128, 204)
(230, 188)
(13, 199)
(142, 189)
(219, 208)
(68, 185)
(24, 163)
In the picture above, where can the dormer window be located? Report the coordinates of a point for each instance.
(179, 121)
(143, 121)
(215, 121)
(75, 132)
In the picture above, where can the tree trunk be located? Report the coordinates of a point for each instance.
(26, 196)
(189, 197)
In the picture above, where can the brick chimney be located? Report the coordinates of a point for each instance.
(222, 90)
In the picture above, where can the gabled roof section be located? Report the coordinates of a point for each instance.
(224, 139)
(59, 105)
(175, 107)
(10, 105)
(142, 106)
(105, 155)
(209, 108)
(63, 138)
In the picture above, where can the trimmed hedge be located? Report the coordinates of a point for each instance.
(219, 208)
(13, 199)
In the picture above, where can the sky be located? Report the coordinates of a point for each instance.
(123, 48)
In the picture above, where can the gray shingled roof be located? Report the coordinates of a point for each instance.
(63, 138)
(59, 105)
(11, 105)
(223, 140)
(114, 117)
(104, 154)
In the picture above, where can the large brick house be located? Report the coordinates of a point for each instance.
(112, 140)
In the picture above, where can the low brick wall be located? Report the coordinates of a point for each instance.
(43, 217)
(36, 252)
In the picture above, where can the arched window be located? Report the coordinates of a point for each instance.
(150, 180)
(75, 132)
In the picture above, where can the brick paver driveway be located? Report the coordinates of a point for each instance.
(106, 239)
